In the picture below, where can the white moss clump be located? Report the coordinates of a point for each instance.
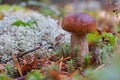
(14, 38)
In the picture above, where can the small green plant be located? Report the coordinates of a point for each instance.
(94, 36)
(35, 75)
(105, 43)
(104, 37)
(77, 77)
(19, 23)
(109, 37)
(70, 66)
(75, 51)
(87, 59)
(3, 75)
(8, 69)
(106, 52)
(29, 23)
(5, 78)
(52, 67)
(63, 50)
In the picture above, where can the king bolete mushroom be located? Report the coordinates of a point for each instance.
(79, 24)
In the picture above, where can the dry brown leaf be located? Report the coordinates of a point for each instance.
(29, 66)
(26, 67)
(55, 75)
(59, 37)
(34, 64)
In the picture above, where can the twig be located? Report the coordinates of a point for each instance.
(99, 67)
(17, 64)
(60, 65)
(63, 59)
(20, 78)
(29, 51)
(22, 54)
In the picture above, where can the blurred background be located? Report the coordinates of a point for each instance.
(69, 4)
(57, 8)
(106, 12)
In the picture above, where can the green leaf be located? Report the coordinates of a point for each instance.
(35, 75)
(19, 23)
(24, 24)
(31, 22)
(5, 78)
(94, 37)
(109, 37)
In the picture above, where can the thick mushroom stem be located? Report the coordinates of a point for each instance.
(79, 42)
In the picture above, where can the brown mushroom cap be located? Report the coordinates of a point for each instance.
(80, 23)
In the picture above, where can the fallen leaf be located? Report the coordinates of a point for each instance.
(55, 75)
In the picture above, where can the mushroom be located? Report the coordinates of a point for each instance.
(79, 24)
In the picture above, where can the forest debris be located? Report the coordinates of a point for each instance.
(20, 78)
(63, 59)
(22, 54)
(2, 68)
(59, 37)
(17, 64)
(99, 67)
(60, 65)
(55, 75)
(26, 67)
